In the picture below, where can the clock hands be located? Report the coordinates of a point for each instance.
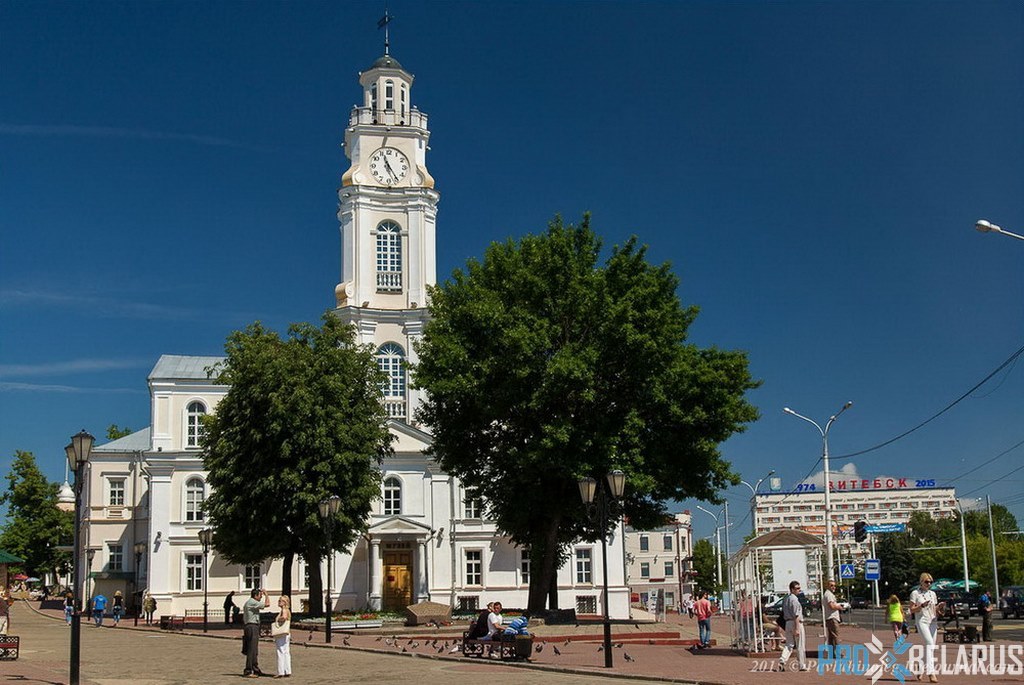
(387, 165)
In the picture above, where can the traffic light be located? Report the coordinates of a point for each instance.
(860, 531)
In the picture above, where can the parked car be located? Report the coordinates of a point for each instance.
(860, 603)
(1011, 601)
(808, 604)
(958, 604)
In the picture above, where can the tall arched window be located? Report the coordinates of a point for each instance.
(194, 422)
(392, 496)
(389, 256)
(403, 94)
(389, 95)
(195, 495)
(391, 360)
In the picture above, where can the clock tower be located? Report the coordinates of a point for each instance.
(387, 212)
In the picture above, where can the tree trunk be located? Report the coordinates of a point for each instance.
(544, 567)
(286, 574)
(316, 585)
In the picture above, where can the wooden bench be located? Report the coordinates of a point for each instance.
(508, 647)
(172, 623)
(9, 645)
(963, 634)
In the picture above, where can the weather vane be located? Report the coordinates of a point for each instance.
(383, 24)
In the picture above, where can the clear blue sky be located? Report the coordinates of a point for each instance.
(812, 170)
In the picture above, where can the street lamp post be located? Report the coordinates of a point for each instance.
(963, 547)
(77, 453)
(989, 227)
(328, 510)
(205, 539)
(753, 500)
(828, 499)
(598, 510)
(139, 549)
(718, 546)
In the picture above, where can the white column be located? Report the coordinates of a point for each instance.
(376, 575)
(422, 591)
(160, 560)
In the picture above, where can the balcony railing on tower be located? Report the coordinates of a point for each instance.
(390, 281)
(387, 117)
(395, 407)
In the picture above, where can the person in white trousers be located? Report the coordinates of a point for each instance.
(283, 640)
(796, 638)
(926, 607)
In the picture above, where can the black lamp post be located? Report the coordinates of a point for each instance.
(78, 453)
(205, 538)
(599, 501)
(140, 549)
(328, 510)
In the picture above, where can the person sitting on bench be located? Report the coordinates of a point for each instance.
(493, 622)
(478, 628)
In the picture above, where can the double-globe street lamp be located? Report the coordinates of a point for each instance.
(753, 500)
(718, 541)
(206, 539)
(828, 500)
(328, 511)
(78, 453)
(599, 501)
(139, 548)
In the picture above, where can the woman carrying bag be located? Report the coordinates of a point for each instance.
(280, 630)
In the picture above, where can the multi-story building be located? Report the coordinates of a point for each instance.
(660, 559)
(427, 538)
(876, 501)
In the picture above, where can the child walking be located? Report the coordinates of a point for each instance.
(895, 617)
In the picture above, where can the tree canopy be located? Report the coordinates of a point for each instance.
(544, 365)
(302, 420)
(35, 527)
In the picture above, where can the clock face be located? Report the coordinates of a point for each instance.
(389, 166)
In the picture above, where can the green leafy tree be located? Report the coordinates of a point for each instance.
(899, 570)
(543, 366)
(35, 527)
(302, 420)
(114, 432)
(705, 566)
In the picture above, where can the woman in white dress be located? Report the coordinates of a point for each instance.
(282, 637)
(926, 607)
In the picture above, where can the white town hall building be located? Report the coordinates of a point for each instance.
(143, 498)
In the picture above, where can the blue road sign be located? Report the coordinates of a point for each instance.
(846, 571)
(872, 569)
(887, 528)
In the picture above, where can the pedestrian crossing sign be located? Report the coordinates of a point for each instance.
(846, 571)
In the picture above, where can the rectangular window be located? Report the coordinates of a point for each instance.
(645, 569)
(670, 569)
(116, 492)
(586, 604)
(670, 599)
(252, 576)
(666, 542)
(524, 566)
(115, 557)
(584, 566)
(645, 544)
(193, 571)
(467, 604)
(474, 567)
(473, 505)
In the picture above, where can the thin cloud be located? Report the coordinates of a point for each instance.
(48, 131)
(71, 366)
(100, 306)
(63, 389)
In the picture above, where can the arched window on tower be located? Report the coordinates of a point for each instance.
(389, 95)
(195, 495)
(373, 99)
(391, 360)
(392, 496)
(194, 424)
(389, 257)
(404, 96)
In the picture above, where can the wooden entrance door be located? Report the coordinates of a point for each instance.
(397, 580)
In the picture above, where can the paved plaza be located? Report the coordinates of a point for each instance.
(148, 656)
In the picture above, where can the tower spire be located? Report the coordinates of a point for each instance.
(383, 24)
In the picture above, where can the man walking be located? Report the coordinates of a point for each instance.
(251, 632)
(702, 610)
(99, 606)
(795, 634)
(832, 609)
(985, 609)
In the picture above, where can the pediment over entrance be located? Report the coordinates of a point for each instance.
(399, 526)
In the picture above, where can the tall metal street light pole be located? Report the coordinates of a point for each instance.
(718, 545)
(963, 546)
(828, 499)
(609, 492)
(989, 227)
(78, 453)
(139, 549)
(992, 542)
(206, 539)
(328, 510)
(753, 500)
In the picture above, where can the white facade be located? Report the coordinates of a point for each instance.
(424, 540)
(660, 559)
